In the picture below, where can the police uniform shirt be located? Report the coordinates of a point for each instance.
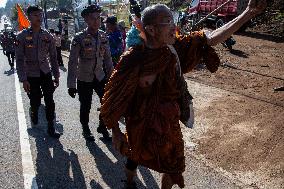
(88, 56)
(8, 43)
(35, 52)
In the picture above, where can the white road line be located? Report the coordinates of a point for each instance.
(27, 161)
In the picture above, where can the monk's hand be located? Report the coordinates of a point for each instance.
(117, 138)
(256, 6)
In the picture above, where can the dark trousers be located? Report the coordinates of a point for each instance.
(59, 56)
(11, 57)
(45, 84)
(85, 91)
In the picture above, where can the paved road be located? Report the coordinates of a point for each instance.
(70, 162)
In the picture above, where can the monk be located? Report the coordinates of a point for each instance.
(146, 89)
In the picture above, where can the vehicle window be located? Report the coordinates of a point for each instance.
(194, 3)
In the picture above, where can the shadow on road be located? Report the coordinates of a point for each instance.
(113, 173)
(239, 53)
(276, 39)
(110, 171)
(54, 165)
(63, 68)
(145, 172)
(10, 72)
(95, 185)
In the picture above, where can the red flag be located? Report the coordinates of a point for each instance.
(22, 18)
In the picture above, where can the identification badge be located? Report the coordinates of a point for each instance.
(29, 38)
(87, 40)
(88, 49)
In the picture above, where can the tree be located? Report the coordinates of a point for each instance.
(2, 10)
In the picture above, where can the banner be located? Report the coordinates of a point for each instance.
(22, 18)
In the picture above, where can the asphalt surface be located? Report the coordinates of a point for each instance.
(71, 162)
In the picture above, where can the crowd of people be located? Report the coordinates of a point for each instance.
(145, 83)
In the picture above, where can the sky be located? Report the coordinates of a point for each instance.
(3, 3)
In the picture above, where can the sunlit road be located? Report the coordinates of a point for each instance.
(70, 162)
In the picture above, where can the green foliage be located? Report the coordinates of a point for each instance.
(14, 16)
(279, 16)
(2, 10)
(65, 4)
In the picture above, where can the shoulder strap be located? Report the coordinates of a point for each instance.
(173, 50)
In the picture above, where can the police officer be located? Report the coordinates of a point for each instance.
(8, 44)
(89, 54)
(35, 52)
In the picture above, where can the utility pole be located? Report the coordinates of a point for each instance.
(76, 17)
(45, 14)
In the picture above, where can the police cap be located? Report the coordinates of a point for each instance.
(91, 9)
(33, 8)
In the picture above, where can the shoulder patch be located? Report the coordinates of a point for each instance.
(29, 37)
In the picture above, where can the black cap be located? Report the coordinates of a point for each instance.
(111, 20)
(33, 8)
(91, 9)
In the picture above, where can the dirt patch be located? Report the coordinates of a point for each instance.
(240, 128)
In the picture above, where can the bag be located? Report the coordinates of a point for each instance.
(185, 101)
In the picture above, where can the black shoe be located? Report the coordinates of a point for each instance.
(34, 118)
(279, 88)
(52, 132)
(103, 130)
(87, 134)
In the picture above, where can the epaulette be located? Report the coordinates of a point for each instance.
(102, 32)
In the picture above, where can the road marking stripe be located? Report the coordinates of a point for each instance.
(27, 161)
